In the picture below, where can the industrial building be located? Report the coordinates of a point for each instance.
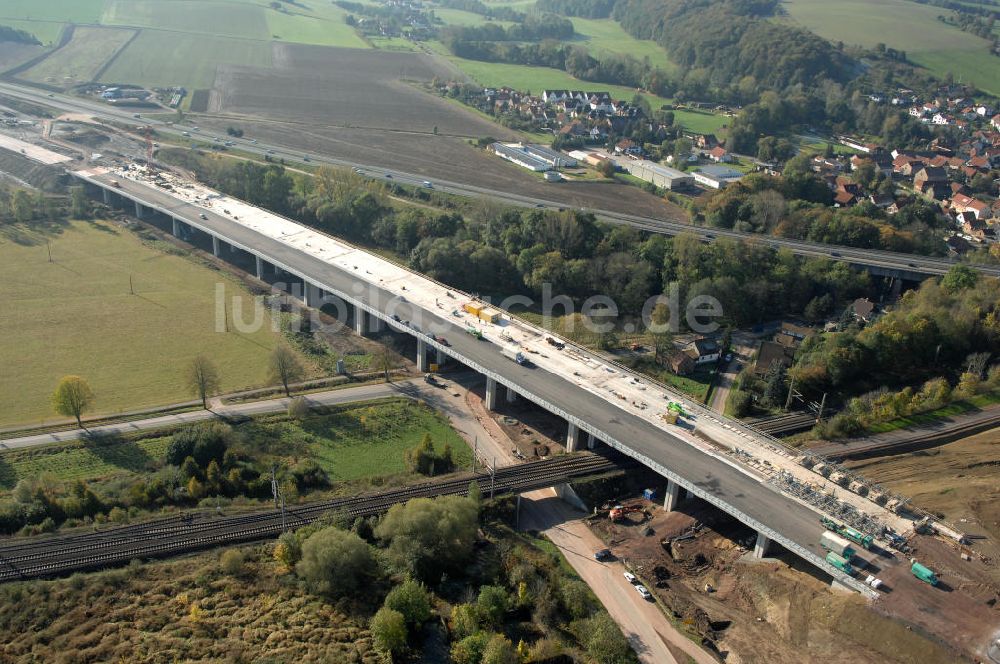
(661, 176)
(518, 154)
(716, 177)
(552, 157)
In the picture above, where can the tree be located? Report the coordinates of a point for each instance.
(605, 641)
(336, 563)
(388, 629)
(499, 650)
(492, 604)
(22, 207)
(285, 367)
(203, 378)
(959, 277)
(79, 204)
(464, 621)
(429, 536)
(470, 649)
(232, 561)
(72, 397)
(412, 600)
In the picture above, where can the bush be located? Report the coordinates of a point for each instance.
(464, 621)
(412, 600)
(739, 403)
(232, 561)
(605, 642)
(470, 649)
(336, 563)
(288, 550)
(298, 408)
(427, 537)
(499, 650)
(388, 629)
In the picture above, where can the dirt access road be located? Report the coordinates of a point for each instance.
(652, 636)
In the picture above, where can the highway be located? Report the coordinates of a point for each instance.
(907, 265)
(745, 495)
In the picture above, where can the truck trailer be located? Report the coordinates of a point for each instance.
(837, 544)
(515, 355)
(924, 574)
(840, 563)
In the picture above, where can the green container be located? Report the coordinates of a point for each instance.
(924, 574)
(857, 537)
(840, 563)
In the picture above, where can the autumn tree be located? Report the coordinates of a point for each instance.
(286, 368)
(72, 397)
(203, 378)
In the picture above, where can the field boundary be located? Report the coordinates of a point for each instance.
(114, 56)
(64, 38)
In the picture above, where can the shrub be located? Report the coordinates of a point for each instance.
(232, 561)
(336, 563)
(492, 605)
(412, 600)
(470, 649)
(388, 629)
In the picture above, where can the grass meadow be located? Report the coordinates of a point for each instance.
(75, 315)
(906, 26)
(80, 59)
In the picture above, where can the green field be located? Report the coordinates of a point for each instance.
(69, 11)
(45, 31)
(602, 36)
(353, 442)
(367, 440)
(226, 19)
(75, 315)
(166, 59)
(904, 25)
(321, 24)
(80, 59)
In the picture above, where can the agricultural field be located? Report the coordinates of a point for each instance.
(70, 11)
(603, 36)
(75, 315)
(81, 59)
(226, 19)
(319, 24)
(152, 59)
(47, 32)
(904, 25)
(12, 54)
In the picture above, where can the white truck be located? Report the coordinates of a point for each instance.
(515, 355)
(837, 544)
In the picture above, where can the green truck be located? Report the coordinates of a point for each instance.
(924, 574)
(856, 536)
(840, 563)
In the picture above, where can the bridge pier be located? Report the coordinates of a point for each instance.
(259, 264)
(439, 357)
(216, 246)
(572, 438)
(360, 320)
(375, 324)
(491, 394)
(138, 209)
(672, 496)
(312, 295)
(591, 441)
(421, 355)
(511, 395)
(177, 229)
(762, 545)
(107, 196)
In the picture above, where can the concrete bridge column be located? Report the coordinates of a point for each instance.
(440, 357)
(259, 262)
(216, 246)
(491, 394)
(138, 209)
(572, 438)
(672, 496)
(359, 320)
(760, 548)
(591, 441)
(375, 324)
(312, 295)
(421, 355)
(511, 395)
(107, 196)
(177, 228)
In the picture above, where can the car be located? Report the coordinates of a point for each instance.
(194, 128)
(643, 592)
(270, 151)
(911, 265)
(631, 578)
(428, 184)
(305, 158)
(389, 175)
(202, 215)
(729, 357)
(136, 115)
(185, 133)
(441, 340)
(835, 254)
(539, 205)
(253, 140)
(395, 317)
(51, 95)
(603, 554)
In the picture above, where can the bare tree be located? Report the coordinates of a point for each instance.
(385, 363)
(285, 367)
(203, 378)
(72, 397)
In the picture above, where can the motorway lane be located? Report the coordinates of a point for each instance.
(781, 513)
(908, 263)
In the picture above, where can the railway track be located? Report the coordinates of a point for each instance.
(783, 424)
(52, 556)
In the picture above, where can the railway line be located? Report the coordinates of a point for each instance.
(783, 424)
(51, 556)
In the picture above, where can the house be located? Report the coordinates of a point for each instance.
(844, 199)
(995, 121)
(793, 334)
(771, 353)
(627, 146)
(863, 309)
(704, 350)
(705, 141)
(882, 201)
(928, 178)
(963, 203)
(677, 361)
(719, 155)
(958, 245)
(976, 228)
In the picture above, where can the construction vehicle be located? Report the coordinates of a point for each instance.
(840, 563)
(923, 573)
(675, 407)
(619, 512)
(555, 343)
(856, 536)
(515, 355)
(116, 184)
(474, 332)
(837, 544)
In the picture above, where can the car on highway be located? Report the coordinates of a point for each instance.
(428, 184)
(306, 158)
(729, 357)
(643, 592)
(136, 115)
(389, 175)
(602, 555)
(631, 578)
(441, 340)
(202, 215)
(539, 205)
(270, 151)
(253, 140)
(51, 95)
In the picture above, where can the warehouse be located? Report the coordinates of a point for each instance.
(661, 176)
(553, 158)
(716, 177)
(516, 153)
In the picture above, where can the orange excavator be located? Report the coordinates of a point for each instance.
(618, 512)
